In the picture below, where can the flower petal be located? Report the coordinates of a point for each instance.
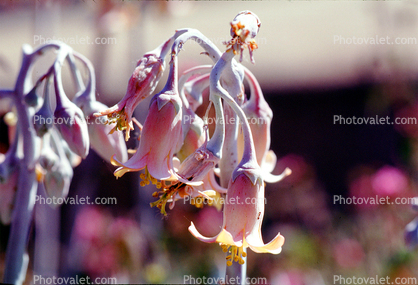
(271, 178)
(273, 247)
(196, 234)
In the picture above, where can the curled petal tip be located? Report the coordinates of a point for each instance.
(273, 247)
(270, 178)
(192, 229)
(120, 172)
(114, 161)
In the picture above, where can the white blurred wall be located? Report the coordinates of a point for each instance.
(297, 46)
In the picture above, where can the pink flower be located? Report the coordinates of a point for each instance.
(142, 83)
(70, 122)
(243, 215)
(259, 116)
(102, 139)
(161, 134)
(160, 137)
(192, 172)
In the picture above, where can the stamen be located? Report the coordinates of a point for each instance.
(236, 254)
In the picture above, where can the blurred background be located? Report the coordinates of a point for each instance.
(310, 70)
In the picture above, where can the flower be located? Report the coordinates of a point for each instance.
(43, 118)
(243, 215)
(160, 138)
(103, 140)
(259, 116)
(244, 28)
(161, 134)
(192, 172)
(193, 134)
(142, 83)
(58, 171)
(70, 122)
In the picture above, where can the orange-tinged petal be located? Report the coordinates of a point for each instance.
(223, 237)
(273, 247)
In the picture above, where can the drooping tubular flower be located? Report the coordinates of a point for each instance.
(244, 203)
(142, 84)
(102, 139)
(57, 167)
(259, 116)
(161, 134)
(70, 121)
(243, 212)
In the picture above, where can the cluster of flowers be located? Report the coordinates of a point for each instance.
(177, 155)
(57, 147)
(46, 144)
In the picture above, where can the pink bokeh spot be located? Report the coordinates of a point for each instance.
(389, 181)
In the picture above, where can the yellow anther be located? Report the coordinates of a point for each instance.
(143, 176)
(158, 185)
(224, 247)
(147, 182)
(236, 254)
(142, 183)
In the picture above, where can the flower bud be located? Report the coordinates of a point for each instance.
(43, 119)
(70, 122)
(245, 24)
